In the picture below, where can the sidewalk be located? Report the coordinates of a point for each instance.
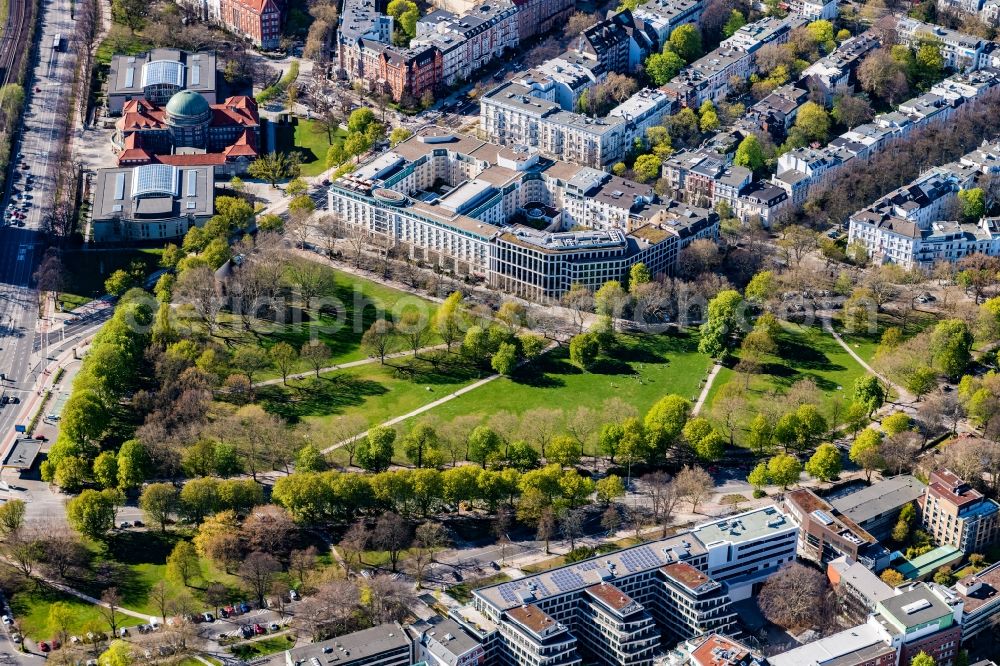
(349, 364)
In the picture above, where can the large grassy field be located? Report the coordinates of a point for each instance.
(804, 352)
(376, 392)
(864, 344)
(87, 271)
(350, 305)
(641, 371)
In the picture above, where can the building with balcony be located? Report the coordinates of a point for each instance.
(956, 514)
(689, 603)
(921, 617)
(980, 595)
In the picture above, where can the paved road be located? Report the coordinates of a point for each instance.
(21, 350)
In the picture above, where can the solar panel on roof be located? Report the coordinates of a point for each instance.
(130, 77)
(567, 580)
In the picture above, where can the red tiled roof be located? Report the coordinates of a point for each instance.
(257, 6)
(236, 111)
(244, 146)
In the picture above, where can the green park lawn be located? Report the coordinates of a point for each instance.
(312, 142)
(140, 558)
(864, 344)
(87, 271)
(31, 611)
(264, 647)
(641, 371)
(376, 392)
(806, 352)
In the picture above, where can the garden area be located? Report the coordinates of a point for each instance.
(801, 353)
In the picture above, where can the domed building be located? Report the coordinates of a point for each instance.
(189, 131)
(187, 117)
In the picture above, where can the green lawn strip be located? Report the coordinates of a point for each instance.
(378, 392)
(254, 649)
(641, 371)
(805, 352)
(109, 47)
(31, 611)
(350, 307)
(864, 344)
(313, 143)
(87, 271)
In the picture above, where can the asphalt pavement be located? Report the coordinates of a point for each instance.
(23, 351)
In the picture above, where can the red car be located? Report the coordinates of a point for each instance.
(41, 438)
(43, 646)
(257, 629)
(56, 644)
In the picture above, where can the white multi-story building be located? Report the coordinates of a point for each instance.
(482, 35)
(562, 80)
(458, 203)
(511, 115)
(669, 579)
(663, 16)
(959, 50)
(800, 169)
(906, 226)
(814, 9)
(980, 594)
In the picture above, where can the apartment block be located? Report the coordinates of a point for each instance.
(859, 646)
(384, 645)
(535, 639)
(614, 629)
(714, 650)
(856, 585)
(689, 603)
(445, 643)
(259, 21)
(799, 170)
(959, 50)
(956, 514)
(669, 579)
(921, 617)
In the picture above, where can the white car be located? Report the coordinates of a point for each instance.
(6, 620)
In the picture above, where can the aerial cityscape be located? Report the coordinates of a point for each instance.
(506, 332)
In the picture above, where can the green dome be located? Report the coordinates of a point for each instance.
(187, 103)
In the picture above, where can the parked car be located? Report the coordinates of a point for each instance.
(208, 617)
(137, 523)
(55, 644)
(125, 525)
(6, 619)
(246, 630)
(244, 607)
(259, 630)
(43, 646)
(294, 595)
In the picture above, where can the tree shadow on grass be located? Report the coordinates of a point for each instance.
(611, 366)
(139, 547)
(318, 397)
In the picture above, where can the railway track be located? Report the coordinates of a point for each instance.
(14, 44)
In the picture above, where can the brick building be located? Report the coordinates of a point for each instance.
(257, 20)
